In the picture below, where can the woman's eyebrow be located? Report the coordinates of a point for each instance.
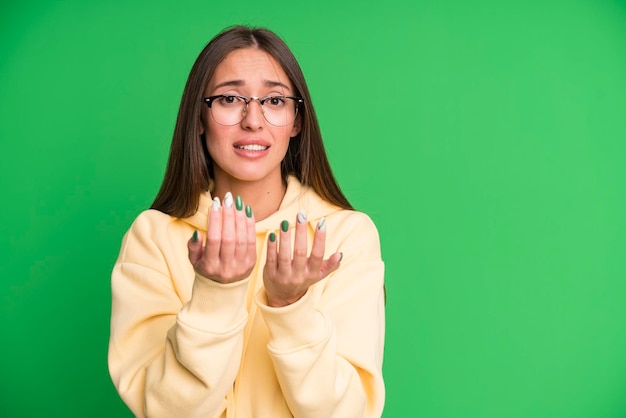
(270, 83)
(234, 83)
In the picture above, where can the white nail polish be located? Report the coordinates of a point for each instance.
(321, 226)
(301, 217)
(228, 200)
(216, 204)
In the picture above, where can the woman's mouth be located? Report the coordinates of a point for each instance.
(251, 147)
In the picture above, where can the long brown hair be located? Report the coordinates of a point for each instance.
(188, 172)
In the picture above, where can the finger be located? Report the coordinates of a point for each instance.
(300, 250)
(194, 245)
(272, 257)
(330, 265)
(241, 231)
(227, 246)
(251, 231)
(214, 231)
(318, 247)
(284, 247)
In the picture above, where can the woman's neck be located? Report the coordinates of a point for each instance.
(263, 196)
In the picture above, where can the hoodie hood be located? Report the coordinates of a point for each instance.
(297, 197)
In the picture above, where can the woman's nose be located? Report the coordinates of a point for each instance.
(253, 115)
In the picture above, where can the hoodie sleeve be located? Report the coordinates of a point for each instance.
(327, 348)
(167, 358)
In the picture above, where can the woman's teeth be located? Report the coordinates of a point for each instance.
(252, 147)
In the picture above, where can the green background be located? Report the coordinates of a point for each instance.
(486, 139)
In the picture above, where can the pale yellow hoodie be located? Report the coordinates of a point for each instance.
(184, 346)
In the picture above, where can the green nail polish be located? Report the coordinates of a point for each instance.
(194, 238)
(272, 237)
(284, 225)
(248, 211)
(238, 203)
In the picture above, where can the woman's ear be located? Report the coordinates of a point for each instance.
(201, 125)
(297, 126)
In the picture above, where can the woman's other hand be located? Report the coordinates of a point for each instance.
(287, 279)
(229, 254)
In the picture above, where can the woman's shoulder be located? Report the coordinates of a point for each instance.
(320, 207)
(351, 219)
(354, 229)
(151, 232)
(151, 224)
(152, 218)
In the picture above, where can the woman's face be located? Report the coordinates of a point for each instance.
(253, 149)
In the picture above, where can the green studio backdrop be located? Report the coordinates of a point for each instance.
(485, 139)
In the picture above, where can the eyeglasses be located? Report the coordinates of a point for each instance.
(229, 110)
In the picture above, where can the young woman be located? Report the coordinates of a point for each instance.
(251, 288)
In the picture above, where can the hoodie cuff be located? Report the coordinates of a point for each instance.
(294, 326)
(216, 307)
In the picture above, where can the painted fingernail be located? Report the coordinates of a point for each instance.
(301, 217)
(248, 211)
(272, 237)
(228, 200)
(340, 257)
(238, 203)
(284, 225)
(194, 238)
(216, 204)
(321, 226)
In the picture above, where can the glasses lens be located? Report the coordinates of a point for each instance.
(277, 110)
(228, 110)
(280, 110)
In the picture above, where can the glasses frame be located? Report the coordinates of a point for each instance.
(209, 102)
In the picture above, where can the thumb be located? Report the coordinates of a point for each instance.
(194, 245)
(331, 264)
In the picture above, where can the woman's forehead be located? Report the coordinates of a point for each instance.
(249, 67)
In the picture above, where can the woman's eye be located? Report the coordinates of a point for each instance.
(275, 101)
(229, 100)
